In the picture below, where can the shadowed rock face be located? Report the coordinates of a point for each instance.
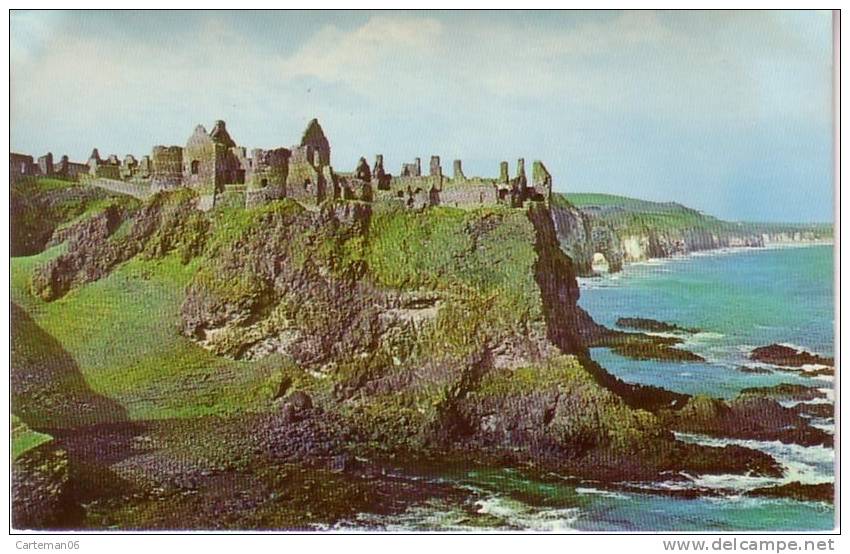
(39, 480)
(555, 277)
(275, 291)
(37, 213)
(50, 394)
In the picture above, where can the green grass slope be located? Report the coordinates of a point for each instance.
(122, 333)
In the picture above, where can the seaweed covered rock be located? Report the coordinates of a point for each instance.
(784, 391)
(652, 325)
(783, 355)
(820, 492)
(745, 417)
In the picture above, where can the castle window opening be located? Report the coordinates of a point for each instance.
(195, 165)
(264, 182)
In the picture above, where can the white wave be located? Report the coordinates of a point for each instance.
(823, 425)
(806, 464)
(521, 515)
(792, 403)
(600, 492)
(814, 367)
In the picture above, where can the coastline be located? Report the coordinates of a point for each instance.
(709, 252)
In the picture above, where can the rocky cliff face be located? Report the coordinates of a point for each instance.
(405, 334)
(446, 332)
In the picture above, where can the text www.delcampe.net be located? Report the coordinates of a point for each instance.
(750, 545)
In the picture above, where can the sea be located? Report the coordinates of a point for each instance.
(738, 299)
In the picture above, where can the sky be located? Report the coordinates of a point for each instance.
(726, 112)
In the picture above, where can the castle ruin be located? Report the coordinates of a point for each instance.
(212, 163)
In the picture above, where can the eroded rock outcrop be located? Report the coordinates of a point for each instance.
(94, 246)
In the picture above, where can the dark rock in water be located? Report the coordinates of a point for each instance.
(746, 417)
(821, 492)
(779, 354)
(816, 410)
(754, 369)
(785, 391)
(645, 324)
(648, 350)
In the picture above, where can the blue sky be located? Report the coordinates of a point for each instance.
(726, 112)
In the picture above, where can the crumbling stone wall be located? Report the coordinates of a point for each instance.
(45, 164)
(69, 170)
(220, 135)
(107, 169)
(20, 165)
(379, 175)
(212, 160)
(542, 182)
(412, 169)
(128, 167)
(305, 183)
(166, 167)
(268, 168)
(470, 195)
(310, 178)
(503, 172)
(200, 157)
(362, 170)
(144, 169)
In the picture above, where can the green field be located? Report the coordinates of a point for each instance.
(122, 333)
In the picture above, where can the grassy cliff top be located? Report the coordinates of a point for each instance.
(626, 212)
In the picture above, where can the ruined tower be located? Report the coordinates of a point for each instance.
(45, 164)
(503, 172)
(435, 170)
(457, 171)
(362, 170)
(314, 138)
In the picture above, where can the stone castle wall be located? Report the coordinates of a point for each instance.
(166, 167)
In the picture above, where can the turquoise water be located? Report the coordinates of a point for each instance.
(739, 300)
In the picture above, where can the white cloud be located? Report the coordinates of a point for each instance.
(381, 48)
